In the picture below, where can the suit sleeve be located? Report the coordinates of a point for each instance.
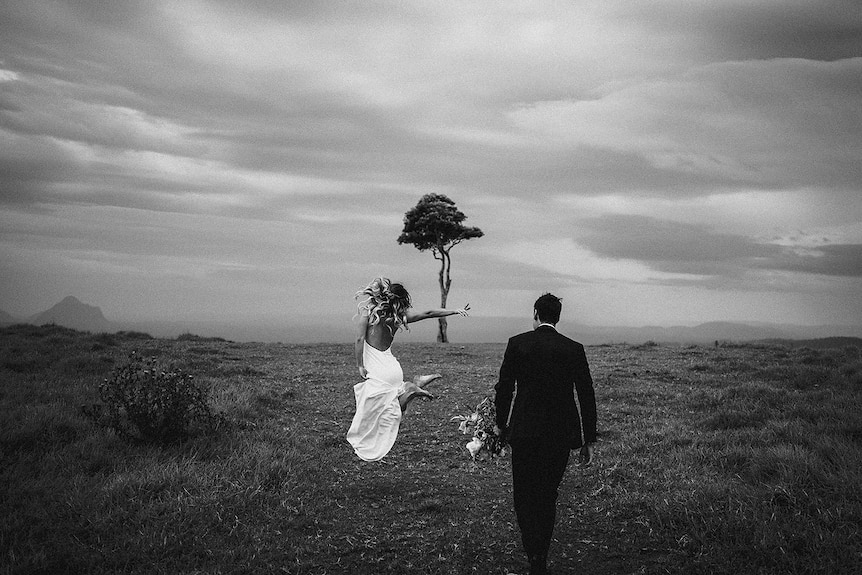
(586, 396)
(505, 387)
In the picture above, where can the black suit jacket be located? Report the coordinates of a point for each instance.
(548, 369)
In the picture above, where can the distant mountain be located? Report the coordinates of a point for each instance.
(5, 318)
(705, 332)
(72, 313)
(710, 332)
(480, 329)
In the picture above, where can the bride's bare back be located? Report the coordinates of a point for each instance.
(380, 335)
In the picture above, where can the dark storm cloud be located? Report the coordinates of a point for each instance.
(676, 247)
(840, 260)
(760, 29)
(83, 42)
(30, 166)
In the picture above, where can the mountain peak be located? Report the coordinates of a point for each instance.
(71, 312)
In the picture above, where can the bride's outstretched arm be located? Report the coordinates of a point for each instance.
(413, 316)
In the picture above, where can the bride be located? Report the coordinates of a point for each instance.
(383, 396)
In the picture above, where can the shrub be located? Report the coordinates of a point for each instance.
(145, 402)
(194, 337)
(134, 335)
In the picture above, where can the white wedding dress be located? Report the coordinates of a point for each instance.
(378, 413)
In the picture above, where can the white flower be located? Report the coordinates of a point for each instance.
(474, 446)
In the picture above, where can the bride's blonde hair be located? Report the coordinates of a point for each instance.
(381, 300)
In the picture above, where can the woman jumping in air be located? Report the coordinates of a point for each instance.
(383, 396)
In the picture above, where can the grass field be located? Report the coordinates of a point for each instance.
(732, 459)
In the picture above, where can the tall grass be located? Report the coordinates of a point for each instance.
(736, 459)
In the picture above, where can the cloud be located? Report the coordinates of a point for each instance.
(758, 29)
(30, 166)
(100, 125)
(691, 145)
(678, 248)
(654, 240)
(480, 96)
(787, 217)
(842, 260)
(770, 124)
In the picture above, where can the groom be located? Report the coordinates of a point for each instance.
(536, 412)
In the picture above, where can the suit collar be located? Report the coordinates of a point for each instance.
(546, 325)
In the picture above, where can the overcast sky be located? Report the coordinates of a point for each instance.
(662, 162)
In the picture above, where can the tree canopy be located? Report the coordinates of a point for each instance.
(435, 223)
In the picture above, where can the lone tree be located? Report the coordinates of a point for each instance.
(436, 224)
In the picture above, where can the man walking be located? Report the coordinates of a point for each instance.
(536, 412)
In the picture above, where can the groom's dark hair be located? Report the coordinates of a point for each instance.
(548, 308)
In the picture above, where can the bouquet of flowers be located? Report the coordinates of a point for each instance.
(480, 424)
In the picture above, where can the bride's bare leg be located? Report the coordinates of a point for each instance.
(423, 380)
(411, 392)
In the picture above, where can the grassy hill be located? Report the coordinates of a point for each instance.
(731, 459)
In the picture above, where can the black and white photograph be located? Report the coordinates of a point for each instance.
(406, 287)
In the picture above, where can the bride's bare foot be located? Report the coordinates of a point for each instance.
(411, 392)
(423, 380)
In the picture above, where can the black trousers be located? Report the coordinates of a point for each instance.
(537, 470)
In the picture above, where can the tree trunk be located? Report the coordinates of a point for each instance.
(445, 284)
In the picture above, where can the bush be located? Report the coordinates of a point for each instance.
(194, 337)
(134, 335)
(144, 402)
